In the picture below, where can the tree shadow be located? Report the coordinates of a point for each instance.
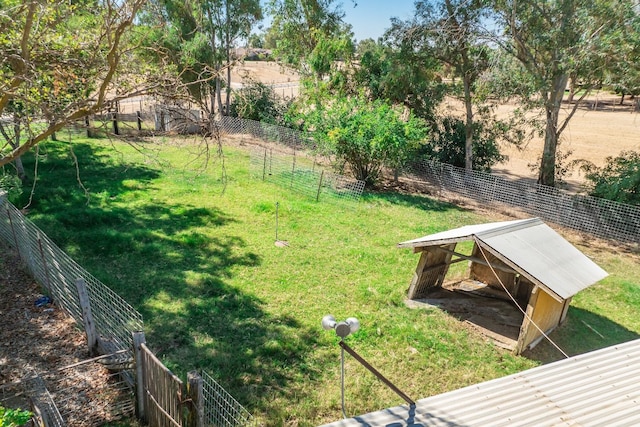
(424, 203)
(171, 262)
(582, 332)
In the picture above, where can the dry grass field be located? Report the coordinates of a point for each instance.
(599, 129)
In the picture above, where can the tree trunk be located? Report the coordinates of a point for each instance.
(553, 102)
(468, 126)
(15, 143)
(572, 88)
(228, 49)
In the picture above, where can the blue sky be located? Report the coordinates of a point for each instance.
(370, 18)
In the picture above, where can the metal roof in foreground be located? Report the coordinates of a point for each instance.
(600, 388)
(531, 247)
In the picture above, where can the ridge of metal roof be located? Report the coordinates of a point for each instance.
(598, 388)
(467, 232)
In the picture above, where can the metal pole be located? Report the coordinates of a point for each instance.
(319, 186)
(277, 205)
(375, 372)
(344, 413)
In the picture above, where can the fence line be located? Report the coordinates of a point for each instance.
(598, 217)
(115, 322)
(288, 171)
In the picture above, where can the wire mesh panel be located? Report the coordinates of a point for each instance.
(289, 171)
(220, 408)
(115, 320)
(43, 403)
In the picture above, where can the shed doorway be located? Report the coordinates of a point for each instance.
(476, 298)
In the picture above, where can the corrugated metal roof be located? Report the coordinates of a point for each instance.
(600, 388)
(530, 246)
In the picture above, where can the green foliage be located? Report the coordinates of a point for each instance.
(367, 135)
(257, 101)
(10, 183)
(447, 144)
(619, 180)
(13, 417)
(399, 72)
(299, 25)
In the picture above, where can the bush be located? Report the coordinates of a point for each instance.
(257, 101)
(619, 180)
(448, 139)
(366, 136)
(10, 183)
(14, 417)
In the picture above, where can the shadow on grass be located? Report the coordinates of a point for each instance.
(171, 262)
(410, 200)
(583, 331)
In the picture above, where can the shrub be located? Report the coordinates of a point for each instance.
(448, 139)
(619, 180)
(366, 136)
(13, 417)
(257, 101)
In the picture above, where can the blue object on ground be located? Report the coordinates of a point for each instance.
(42, 301)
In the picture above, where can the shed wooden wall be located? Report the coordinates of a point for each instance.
(545, 311)
(430, 272)
(484, 274)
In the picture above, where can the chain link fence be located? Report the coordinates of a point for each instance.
(115, 320)
(598, 217)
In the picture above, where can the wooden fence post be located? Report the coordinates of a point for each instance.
(44, 263)
(114, 120)
(195, 393)
(87, 317)
(138, 340)
(15, 237)
(87, 125)
(320, 186)
(139, 120)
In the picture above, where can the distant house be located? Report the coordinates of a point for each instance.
(600, 388)
(524, 265)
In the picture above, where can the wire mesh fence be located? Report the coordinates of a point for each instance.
(598, 217)
(290, 171)
(221, 409)
(115, 320)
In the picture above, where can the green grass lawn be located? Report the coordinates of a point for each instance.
(197, 259)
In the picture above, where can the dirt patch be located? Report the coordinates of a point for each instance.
(40, 339)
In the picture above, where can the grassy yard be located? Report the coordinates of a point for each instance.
(216, 294)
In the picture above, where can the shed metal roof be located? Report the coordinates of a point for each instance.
(593, 389)
(531, 247)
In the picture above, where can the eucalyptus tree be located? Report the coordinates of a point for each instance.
(198, 37)
(59, 63)
(555, 39)
(300, 28)
(454, 31)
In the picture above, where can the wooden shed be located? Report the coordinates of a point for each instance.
(524, 265)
